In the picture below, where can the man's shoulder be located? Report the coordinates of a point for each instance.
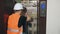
(23, 16)
(11, 15)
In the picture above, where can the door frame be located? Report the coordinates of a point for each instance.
(41, 21)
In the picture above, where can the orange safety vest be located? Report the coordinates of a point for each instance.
(13, 25)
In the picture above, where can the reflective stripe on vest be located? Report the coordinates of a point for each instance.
(21, 33)
(13, 30)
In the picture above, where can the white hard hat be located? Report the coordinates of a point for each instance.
(18, 6)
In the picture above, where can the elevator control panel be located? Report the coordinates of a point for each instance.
(43, 8)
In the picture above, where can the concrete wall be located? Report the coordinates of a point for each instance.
(53, 17)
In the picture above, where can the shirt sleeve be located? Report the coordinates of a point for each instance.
(22, 21)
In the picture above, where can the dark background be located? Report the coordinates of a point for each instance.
(5, 11)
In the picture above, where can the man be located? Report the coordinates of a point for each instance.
(14, 26)
(13, 20)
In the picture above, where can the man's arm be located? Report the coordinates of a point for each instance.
(22, 20)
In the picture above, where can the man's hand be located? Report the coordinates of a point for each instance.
(28, 17)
